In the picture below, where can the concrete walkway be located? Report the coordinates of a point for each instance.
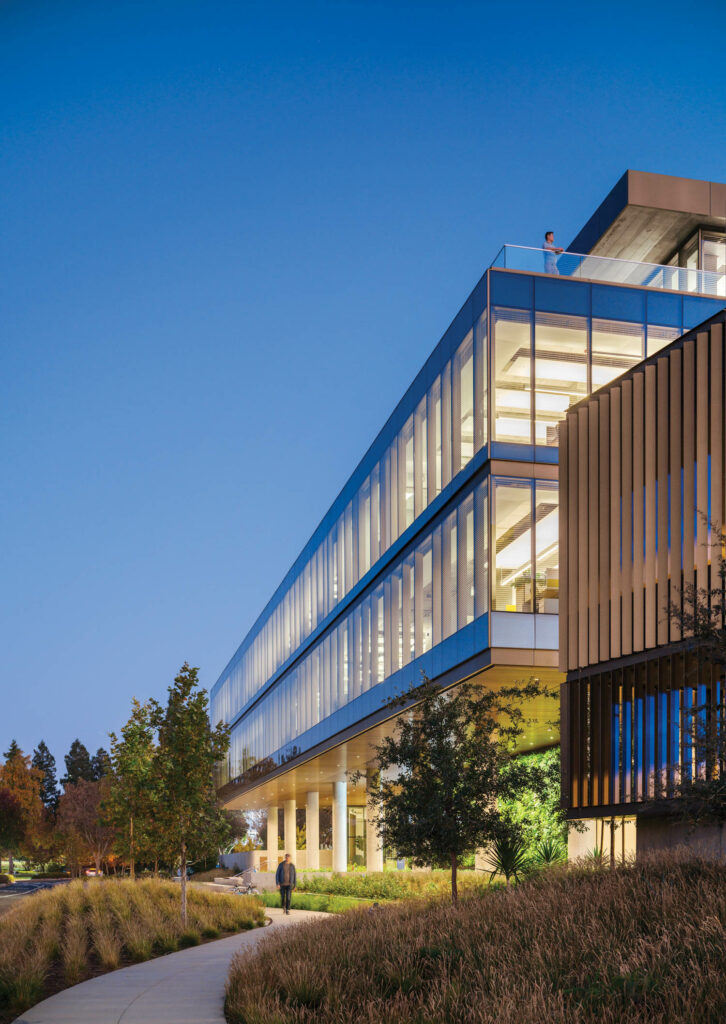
(180, 988)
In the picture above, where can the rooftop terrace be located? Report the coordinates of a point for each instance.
(611, 270)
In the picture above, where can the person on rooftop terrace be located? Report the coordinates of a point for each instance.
(551, 252)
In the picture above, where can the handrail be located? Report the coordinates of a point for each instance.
(610, 269)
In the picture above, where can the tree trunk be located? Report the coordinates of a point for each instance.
(97, 859)
(454, 890)
(612, 844)
(132, 865)
(10, 862)
(156, 867)
(184, 884)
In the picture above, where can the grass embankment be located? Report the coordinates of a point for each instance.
(316, 901)
(393, 885)
(59, 937)
(640, 944)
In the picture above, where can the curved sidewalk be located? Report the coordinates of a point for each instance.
(180, 988)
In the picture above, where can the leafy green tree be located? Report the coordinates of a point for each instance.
(189, 748)
(78, 765)
(131, 806)
(44, 761)
(537, 812)
(100, 765)
(448, 762)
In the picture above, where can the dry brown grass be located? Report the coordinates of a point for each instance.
(59, 937)
(642, 944)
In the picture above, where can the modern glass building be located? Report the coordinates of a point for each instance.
(440, 554)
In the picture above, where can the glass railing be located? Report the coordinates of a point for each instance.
(614, 271)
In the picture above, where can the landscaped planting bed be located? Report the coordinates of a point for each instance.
(393, 885)
(316, 901)
(59, 937)
(642, 944)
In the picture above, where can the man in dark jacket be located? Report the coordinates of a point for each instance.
(286, 880)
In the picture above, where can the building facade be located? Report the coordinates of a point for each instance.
(643, 507)
(440, 554)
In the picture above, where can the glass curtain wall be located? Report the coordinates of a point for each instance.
(430, 593)
(433, 590)
(525, 545)
(438, 440)
(543, 363)
(704, 250)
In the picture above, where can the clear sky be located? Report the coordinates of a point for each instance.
(230, 234)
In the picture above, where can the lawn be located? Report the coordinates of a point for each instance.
(393, 885)
(641, 944)
(317, 901)
(59, 937)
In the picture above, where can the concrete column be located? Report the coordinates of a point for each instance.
(374, 850)
(340, 827)
(312, 830)
(290, 827)
(272, 838)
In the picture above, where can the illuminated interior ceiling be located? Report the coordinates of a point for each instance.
(646, 216)
(357, 753)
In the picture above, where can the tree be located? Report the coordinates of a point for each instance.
(41, 841)
(694, 790)
(44, 761)
(100, 764)
(239, 826)
(447, 763)
(11, 823)
(24, 782)
(131, 805)
(538, 813)
(78, 765)
(188, 751)
(80, 819)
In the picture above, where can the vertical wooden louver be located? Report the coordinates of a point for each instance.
(642, 466)
(642, 470)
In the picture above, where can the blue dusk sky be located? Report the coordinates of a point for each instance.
(231, 235)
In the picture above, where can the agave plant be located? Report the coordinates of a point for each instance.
(549, 851)
(508, 856)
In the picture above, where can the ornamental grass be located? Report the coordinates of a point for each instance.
(642, 943)
(58, 937)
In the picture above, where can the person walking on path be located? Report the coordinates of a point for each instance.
(286, 881)
(551, 252)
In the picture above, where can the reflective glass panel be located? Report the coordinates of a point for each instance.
(546, 546)
(560, 370)
(512, 382)
(616, 346)
(512, 535)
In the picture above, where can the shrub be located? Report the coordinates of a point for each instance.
(6, 879)
(642, 944)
